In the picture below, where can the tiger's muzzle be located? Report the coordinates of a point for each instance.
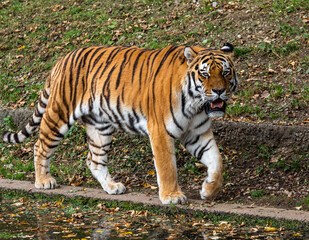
(216, 104)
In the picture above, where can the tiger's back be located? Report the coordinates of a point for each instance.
(123, 84)
(159, 93)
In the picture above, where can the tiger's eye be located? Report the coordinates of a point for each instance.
(226, 72)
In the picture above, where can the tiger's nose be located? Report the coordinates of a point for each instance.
(218, 91)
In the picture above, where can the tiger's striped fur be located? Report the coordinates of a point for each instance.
(165, 94)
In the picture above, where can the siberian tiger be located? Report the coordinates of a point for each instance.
(164, 94)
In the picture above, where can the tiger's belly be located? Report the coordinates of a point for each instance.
(123, 118)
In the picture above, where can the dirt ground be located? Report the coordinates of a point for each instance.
(260, 166)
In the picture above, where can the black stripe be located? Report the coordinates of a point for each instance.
(98, 163)
(118, 108)
(168, 132)
(135, 115)
(97, 49)
(183, 104)
(99, 154)
(108, 79)
(110, 59)
(45, 94)
(202, 123)
(15, 135)
(32, 123)
(63, 81)
(54, 129)
(166, 55)
(101, 129)
(37, 113)
(192, 142)
(132, 124)
(135, 65)
(172, 110)
(43, 105)
(98, 58)
(189, 86)
(25, 132)
(202, 150)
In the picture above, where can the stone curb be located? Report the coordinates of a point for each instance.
(138, 198)
(233, 134)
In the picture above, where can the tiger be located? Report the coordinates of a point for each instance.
(165, 94)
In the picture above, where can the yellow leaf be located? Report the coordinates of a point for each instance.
(297, 235)
(146, 185)
(151, 172)
(126, 233)
(70, 235)
(270, 229)
(59, 203)
(99, 231)
(21, 47)
(44, 205)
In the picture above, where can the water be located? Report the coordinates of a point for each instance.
(29, 219)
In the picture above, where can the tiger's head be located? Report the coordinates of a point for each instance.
(211, 78)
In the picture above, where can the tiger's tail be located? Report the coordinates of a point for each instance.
(33, 123)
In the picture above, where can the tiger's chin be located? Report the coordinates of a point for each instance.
(215, 109)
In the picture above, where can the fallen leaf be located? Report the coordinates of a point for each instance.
(146, 185)
(265, 94)
(70, 236)
(274, 160)
(270, 229)
(151, 172)
(297, 235)
(126, 233)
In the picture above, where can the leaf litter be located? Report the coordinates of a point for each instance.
(27, 218)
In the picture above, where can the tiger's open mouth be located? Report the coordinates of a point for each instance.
(215, 108)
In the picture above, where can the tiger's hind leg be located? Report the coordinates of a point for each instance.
(52, 130)
(100, 140)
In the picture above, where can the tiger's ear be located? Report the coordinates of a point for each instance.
(190, 54)
(228, 49)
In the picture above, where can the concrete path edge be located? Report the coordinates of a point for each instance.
(139, 198)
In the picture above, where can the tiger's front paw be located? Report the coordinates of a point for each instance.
(115, 188)
(210, 190)
(174, 197)
(47, 182)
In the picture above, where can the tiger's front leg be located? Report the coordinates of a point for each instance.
(165, 162)
(204, 148)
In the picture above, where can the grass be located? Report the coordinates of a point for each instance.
(35, 34)
(89, 204)
(257, 193)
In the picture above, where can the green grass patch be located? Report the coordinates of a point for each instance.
(257, 193)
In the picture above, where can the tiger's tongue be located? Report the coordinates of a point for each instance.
(216, 104)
